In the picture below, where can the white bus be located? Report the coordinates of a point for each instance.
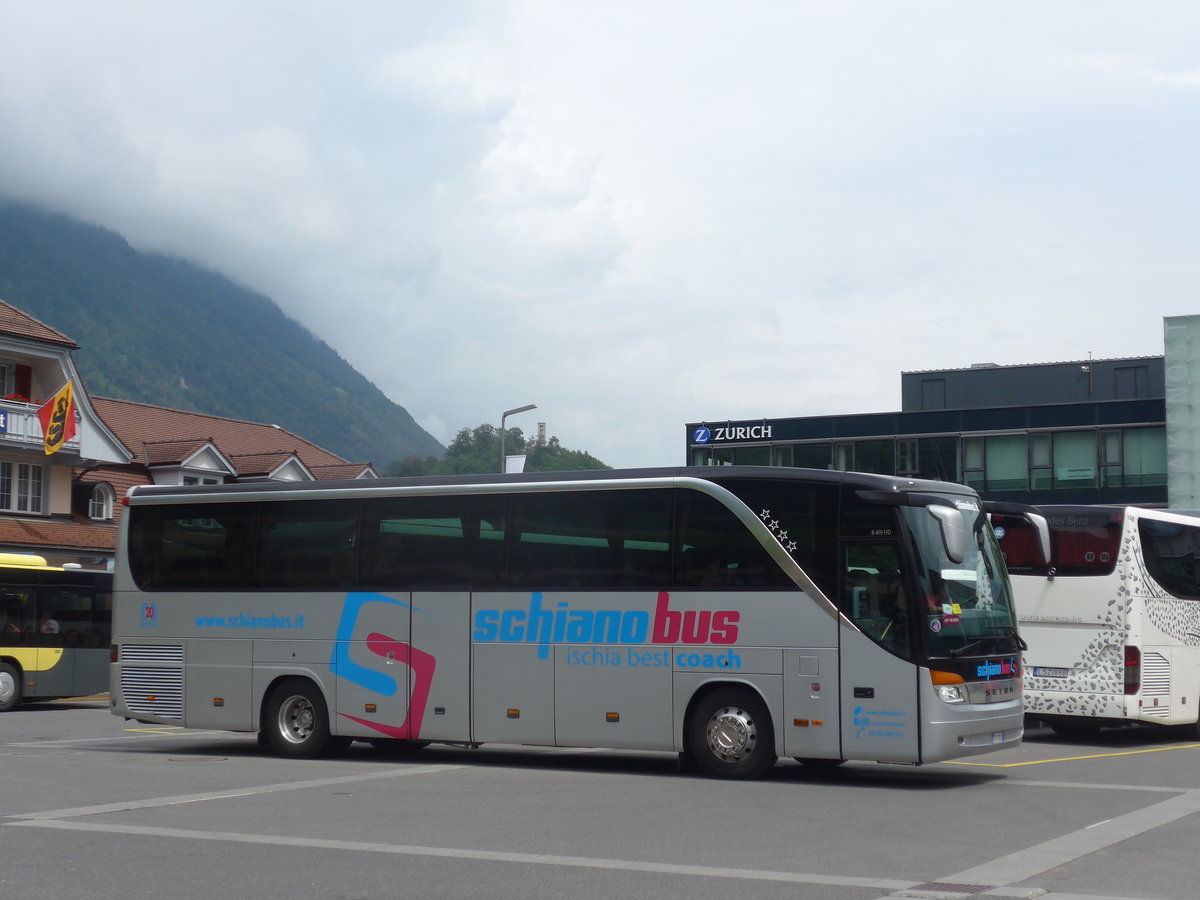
(1112, 620)
(734, 614)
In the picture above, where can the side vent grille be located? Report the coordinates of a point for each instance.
(152, 653)
(155, 689)
(1156, 682)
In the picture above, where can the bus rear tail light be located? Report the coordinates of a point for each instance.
(1133, 670)
(112, 653)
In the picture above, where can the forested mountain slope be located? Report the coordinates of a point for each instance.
(159, 330)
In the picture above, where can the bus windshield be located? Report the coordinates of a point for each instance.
(967, 605)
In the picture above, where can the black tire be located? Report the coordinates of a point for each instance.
(814, 763)
(10, 687)
(730, 734)
(296, 721)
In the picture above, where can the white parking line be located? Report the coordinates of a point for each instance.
(155, 802)
(537, 859)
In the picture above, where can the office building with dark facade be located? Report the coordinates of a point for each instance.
(1090, 431)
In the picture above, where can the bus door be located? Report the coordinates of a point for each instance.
(371, 660)
(879, 680)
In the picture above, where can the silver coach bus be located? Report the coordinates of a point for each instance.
(736, 615)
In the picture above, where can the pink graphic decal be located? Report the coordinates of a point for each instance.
(422, 665)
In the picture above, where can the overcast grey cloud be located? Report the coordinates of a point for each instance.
(637, 215)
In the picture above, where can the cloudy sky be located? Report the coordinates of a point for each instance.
(638, 215)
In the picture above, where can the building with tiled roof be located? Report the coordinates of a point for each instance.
(62, 504)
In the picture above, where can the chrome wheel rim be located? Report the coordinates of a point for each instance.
(732, 734)
(297, 718)
(8, 687)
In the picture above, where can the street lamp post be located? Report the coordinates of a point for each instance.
(503, 416)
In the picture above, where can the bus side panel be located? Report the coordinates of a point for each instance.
(1075, 627)
(372, 663)
(214, 689)
(91, 671)
(811, 721)
(881, 715)
(441, 677)
(49, 671)
(613, 696)
(513, 696)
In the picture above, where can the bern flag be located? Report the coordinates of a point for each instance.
(57, 416)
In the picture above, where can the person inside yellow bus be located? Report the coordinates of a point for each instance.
(9, 623)
(47, 624)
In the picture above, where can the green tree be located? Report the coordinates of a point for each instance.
(476, 451)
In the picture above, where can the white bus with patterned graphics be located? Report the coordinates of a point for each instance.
(1112, 619)
(737, 615)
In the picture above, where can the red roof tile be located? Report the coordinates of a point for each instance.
(56, 533)
(139, 424)
(18, 324)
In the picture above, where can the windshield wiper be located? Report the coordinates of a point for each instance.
(1011, 631)
(959, 651)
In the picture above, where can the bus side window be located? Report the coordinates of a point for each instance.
(1018, 541)
(309, 545)
(598, 539)
(873, 594)
(1172, 554)
(717, 550)
(430, 542)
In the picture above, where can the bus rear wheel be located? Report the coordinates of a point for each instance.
(296, 720)
(10, 687)
(730, 734)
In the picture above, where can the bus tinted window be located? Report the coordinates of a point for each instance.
(433, 542)
(717, 551)
(592, 539)
(308, 545)
(1019, 544)
(192, 547)
(1084, 542)
(805, 515)
(1172, 554)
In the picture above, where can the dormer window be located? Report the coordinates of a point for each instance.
(201, 479)
(100, 506)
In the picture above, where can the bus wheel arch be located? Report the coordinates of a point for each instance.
(10, 685)
(728, 731)
(295, 720)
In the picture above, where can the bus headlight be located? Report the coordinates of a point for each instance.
(952, 693)
(950, 686)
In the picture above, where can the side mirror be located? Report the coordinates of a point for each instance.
(954, 531)
(1042, 527)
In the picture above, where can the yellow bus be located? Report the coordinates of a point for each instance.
(55, 630)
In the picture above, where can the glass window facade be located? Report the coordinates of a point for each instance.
(1041, 462)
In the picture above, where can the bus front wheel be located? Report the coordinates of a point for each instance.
(296, 720)
(730, 734)
(10, 687)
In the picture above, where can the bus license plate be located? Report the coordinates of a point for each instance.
(1049, 672)
(997, 737)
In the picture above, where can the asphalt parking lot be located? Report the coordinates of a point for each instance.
(96, 807)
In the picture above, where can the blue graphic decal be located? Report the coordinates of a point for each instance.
(342, 665)
(880, 723)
